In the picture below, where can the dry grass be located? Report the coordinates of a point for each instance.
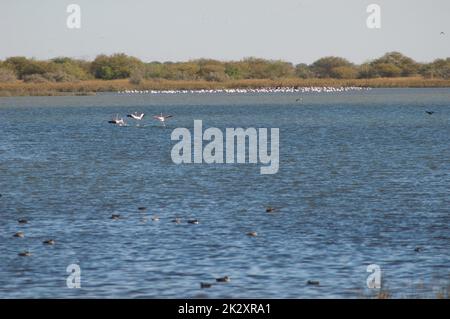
(20, 88)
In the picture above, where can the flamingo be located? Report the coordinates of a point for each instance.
(136, 116)
(117, 120)
(162, 118)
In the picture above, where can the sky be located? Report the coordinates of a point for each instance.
(299, 31)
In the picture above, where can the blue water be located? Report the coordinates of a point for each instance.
(364, 179)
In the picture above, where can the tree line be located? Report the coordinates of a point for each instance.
(122, 66)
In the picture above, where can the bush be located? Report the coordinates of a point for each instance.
(59, 76)
(136, 77)
(7, 75)
(35, 78)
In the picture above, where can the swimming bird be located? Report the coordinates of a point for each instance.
(162, 118)
(430, 112)
(252, 234)
(142, 208)
(313, 282)
(25, 253)
(176, 220)
(115, 216)
(155, 218)
(270, 209)
(223, 279)
(19, 234)
(205, 285)
(193, 221)
(22, 221)
(418, 249)
(136, 116)
(49, 242)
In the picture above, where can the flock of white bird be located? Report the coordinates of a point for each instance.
(307, 89)
(138, 117)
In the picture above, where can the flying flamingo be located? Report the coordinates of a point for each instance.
(162, 118)
(136, 116)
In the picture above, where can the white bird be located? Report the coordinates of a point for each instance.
(117, 120)
(162, 118)
(136, 116)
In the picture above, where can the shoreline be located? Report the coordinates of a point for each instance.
(91, 87)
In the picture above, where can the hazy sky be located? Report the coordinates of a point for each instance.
(293, 30)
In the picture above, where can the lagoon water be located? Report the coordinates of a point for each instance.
(364, 179)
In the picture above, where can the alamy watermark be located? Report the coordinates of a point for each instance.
(74, 18)
(374, 279)
(215, 151)
(374, 19)
(74, 278)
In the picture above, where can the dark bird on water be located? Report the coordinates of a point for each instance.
(115, 216)
(270, 209)
(193, 221)
(430, 112)
(313, 282)
(49, 242)
(223, 279)
(25, 254)
(252, 234)
(418, 249)
(19, 234)
(22, 221)
(205, 285)
(142, 208)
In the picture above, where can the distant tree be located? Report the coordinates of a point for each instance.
(23, 66)
(406, 65)
(323, 68)
(67, 68)
(116, 66)
(153, 70)
(234, 70)
(387, 70)
(366, 71)
(303, 71)
(438, 68)
(279, 69)
(344, 72)
(186, 70)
